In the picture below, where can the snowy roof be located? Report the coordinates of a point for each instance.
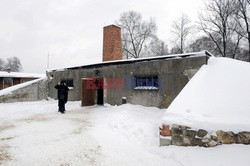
(217, 97)
(125, 61)
(20, 75)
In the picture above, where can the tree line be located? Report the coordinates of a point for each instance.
(223, 29)
(12, 63)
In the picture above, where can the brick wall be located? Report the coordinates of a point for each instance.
(16, 81)
(112, 43)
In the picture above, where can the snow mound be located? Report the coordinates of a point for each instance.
(217, 97)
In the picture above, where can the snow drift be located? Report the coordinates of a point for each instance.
(217, 97)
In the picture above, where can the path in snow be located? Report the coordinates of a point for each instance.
(31, 135)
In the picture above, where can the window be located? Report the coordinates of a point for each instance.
(69, 83)
(8, 80)
(146, 82)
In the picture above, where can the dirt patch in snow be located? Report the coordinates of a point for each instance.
(81, 123)
(7, 138)
(4, 155)
(6, 127)
(91, 155)
(36, 118)
(4, 149)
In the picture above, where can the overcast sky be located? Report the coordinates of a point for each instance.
(71, 30)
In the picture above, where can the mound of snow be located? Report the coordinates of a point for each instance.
(217, 97)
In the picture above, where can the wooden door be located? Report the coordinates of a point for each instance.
(88, 95)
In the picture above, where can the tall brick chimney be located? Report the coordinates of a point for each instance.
(112, 43)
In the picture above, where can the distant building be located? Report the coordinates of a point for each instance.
(8, 78)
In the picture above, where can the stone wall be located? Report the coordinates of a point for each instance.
(33, 92)
(185, 136)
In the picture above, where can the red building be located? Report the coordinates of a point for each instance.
(8, 78)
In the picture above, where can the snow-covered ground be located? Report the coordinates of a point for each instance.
(216, 98)
(34, 133)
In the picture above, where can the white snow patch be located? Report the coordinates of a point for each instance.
(98, 136)
(146, 87)
(20, 75)
(217, 97)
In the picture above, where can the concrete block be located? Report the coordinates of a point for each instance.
(190, 133)
(176, 131)
(184, 127)
(243, 137)
(196, 142)
(201, 133)
(187, 141)
(175, 126)
(177, 140)
(165, 142)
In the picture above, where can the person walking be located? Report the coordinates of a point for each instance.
(62, 95)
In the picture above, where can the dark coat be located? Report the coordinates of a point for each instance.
(62, 93)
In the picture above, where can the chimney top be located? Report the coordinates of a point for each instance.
(112, 25)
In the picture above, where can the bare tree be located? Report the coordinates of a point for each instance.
(203, 43)
(243, 19)
(14, 64)
(181, 28)
(157, 47)
(135, 33)
(2, 64)
(219, 24)
(175, 50)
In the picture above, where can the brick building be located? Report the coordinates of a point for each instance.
(8, 78)
(152, 81)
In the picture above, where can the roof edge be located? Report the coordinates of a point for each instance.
(184, 55)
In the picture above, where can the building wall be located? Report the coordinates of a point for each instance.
(27, 79)
(33, 92)
(172, 72)
(16, 81)
(1, 83)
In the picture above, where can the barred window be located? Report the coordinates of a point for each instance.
(146, 82)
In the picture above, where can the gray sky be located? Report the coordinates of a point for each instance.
(71, 30)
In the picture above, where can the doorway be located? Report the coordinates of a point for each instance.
(88, 95)
(100, 96)
(99, 83)
(94, 94)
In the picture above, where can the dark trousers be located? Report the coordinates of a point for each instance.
(61, 105)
